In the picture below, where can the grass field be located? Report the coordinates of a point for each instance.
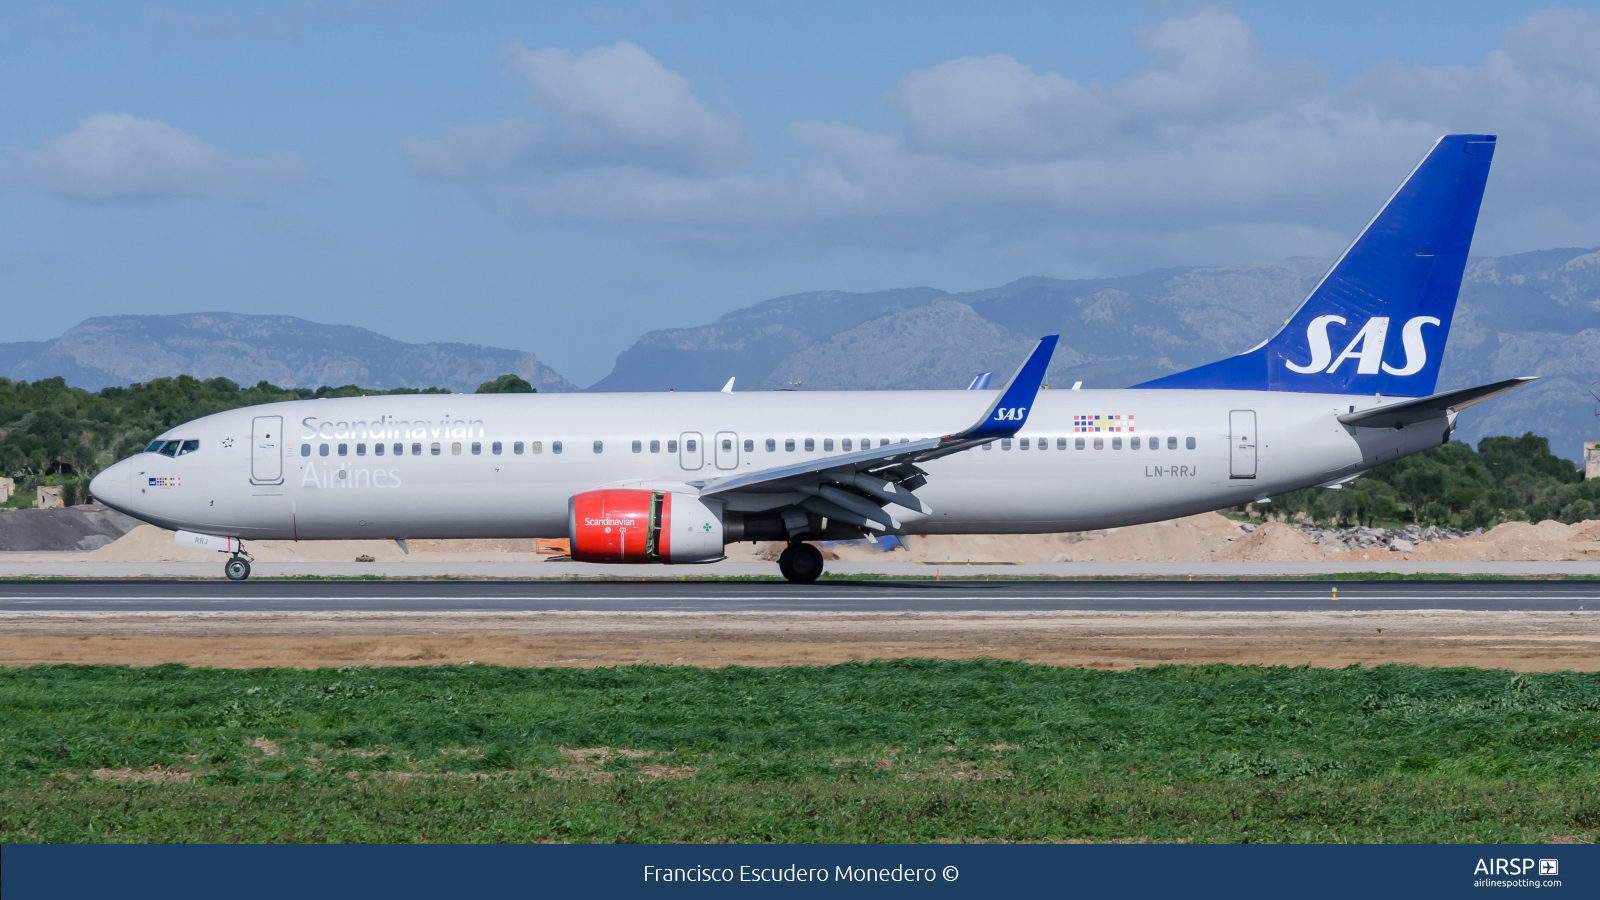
(893, 751)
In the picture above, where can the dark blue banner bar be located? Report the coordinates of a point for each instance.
(437, 872)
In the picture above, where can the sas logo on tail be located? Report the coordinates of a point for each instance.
(1366, 348)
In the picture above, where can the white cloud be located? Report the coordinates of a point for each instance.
(612, 106)
(113, 156)
(1211, 141)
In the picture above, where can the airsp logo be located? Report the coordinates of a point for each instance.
(1366, 348)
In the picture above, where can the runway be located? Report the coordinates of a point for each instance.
(99, 596)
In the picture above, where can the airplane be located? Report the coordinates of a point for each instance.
(673, 478)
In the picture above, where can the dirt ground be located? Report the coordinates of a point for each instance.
(1523, 641)
(1203, 538)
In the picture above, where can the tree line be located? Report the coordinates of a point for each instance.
(55, 434)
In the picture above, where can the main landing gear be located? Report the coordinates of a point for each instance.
(800, 563)
(237, 568)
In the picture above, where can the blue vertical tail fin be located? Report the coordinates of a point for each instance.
(1378, 321)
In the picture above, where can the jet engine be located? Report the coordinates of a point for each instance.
(626, 525)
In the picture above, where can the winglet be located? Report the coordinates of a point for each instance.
(981, 383)
(728, 388)
(1009, 412)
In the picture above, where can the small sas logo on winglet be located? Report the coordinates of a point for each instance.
(167, 481)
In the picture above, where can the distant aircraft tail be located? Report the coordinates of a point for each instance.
(1378, 321)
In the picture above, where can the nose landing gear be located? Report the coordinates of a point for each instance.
(237, 568)
(800, 563)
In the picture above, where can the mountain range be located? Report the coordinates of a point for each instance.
(1528, 314)
(289, 352)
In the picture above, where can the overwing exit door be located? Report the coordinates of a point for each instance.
(690, 454)
(266, 450)
(727, 450)
(1242, 443)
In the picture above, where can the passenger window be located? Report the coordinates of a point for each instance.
(536, 447)
(377, 449)
(827, 445)
(305, 449)
(638, 446)
(477, 448)
(322, 450)
(1077, 443)
(1133, 443)
(434, 449)
(1005, 443)
(361, 449)
(1188, 443)
(455, 448)
(866, 443)
(599, 446)
(788, 445)
(749, 446)
(517, 448)
(672, 446)
(416, 450)
(399, 449)
(905, 440)
(883, 442)
(845, 445)
(691, 445)
(1023, 444)
(1044, 443)
(1172, 443)
(344, 449)
(655, 446)
(1099, 443)
(989, 446)
(811, 445)
(1116, 443)
(771, 445)
(1061, 443)
(555, 446)
(495, 448)
(727, 445)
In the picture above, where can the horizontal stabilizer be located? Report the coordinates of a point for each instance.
(1409, 412)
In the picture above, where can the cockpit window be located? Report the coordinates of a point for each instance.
(170, 448)
(188, 447)
(155, 446)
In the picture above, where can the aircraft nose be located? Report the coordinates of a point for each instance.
(114, 486)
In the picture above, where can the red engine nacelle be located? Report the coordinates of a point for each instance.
(638, 526)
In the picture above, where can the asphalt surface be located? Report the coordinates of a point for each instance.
(863, 596)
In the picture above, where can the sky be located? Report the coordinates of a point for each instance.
(560, 178)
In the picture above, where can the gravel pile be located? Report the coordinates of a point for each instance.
(1362, 538)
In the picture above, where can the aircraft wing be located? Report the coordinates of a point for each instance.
(1410, 412)
(854, 487)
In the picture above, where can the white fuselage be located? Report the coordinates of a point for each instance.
(254, 479)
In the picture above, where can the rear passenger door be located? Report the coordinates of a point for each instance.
(1242, 443)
